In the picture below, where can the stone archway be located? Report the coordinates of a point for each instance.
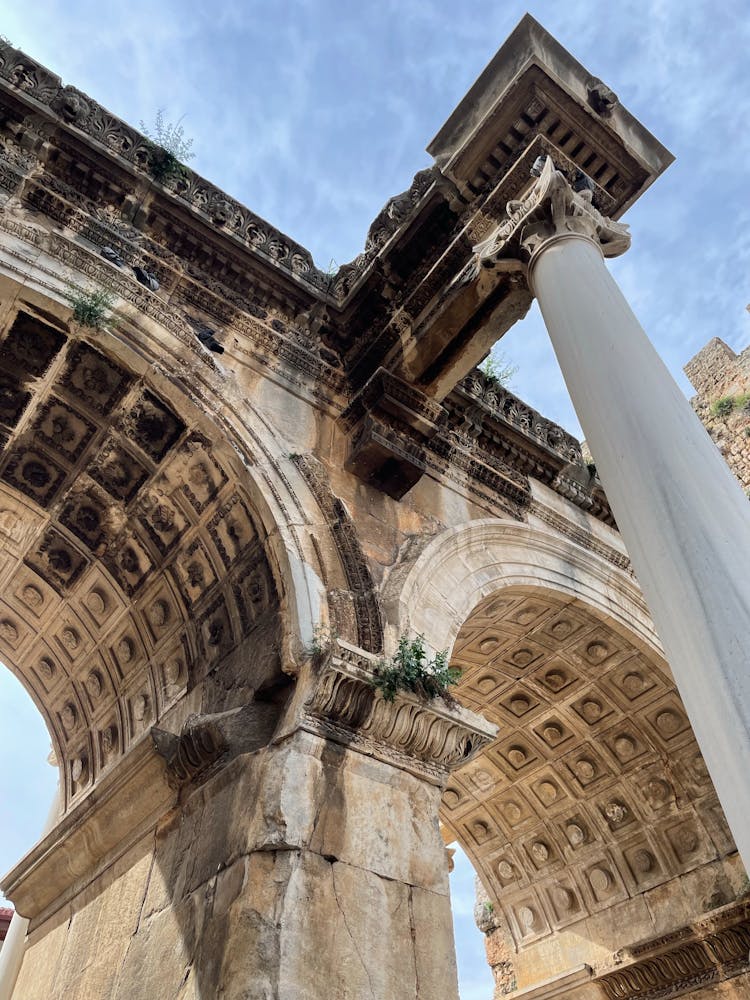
(218, 778)
(591, 821)
(141, 586)
(133, 561)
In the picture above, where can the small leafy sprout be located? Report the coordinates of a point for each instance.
(498, 369)
(322, 639)
(489, 906)
(92, 308)
(722, 407)
(412, 670)
(168, 148)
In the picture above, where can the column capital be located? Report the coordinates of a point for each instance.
(427, 737)
(551, 208)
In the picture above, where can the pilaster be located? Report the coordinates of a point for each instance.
(311, 866)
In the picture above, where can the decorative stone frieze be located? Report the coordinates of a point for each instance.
(693, 958)
(426, 737)
(81, 114)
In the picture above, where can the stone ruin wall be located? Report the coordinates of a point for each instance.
(721, 380)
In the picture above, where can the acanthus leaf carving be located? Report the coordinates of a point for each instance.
(552, 207)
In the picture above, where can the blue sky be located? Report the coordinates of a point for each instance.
(314, 112)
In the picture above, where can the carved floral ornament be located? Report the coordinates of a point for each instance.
(424, 736)
(551, 208)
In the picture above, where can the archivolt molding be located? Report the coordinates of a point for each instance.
(463, 565)
(361, 598)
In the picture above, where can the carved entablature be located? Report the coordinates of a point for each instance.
(513, 412)
(408, 319)
(710, 951)
(481, 431)
(62, 150)
(429, 738)
(81, 114)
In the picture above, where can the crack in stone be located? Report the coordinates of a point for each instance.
(413, 931)
(349, 932)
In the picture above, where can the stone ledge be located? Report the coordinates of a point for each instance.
(428, 738)
(557, 986)
(711, 950)
(124, 804)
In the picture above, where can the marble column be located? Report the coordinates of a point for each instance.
(683, 516)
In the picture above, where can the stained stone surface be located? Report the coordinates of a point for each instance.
(226, 897)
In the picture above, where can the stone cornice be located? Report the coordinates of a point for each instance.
(404, 307)
(511, 411)
(125, 803)
(709, 951)
(428, 738)
(78, 115)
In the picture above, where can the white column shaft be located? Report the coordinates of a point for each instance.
(683, 517)
(11, 955)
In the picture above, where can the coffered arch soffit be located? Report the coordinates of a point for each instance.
(595, 790)
(141, 541)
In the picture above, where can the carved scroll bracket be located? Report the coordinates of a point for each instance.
(206, 740)
(427, 738)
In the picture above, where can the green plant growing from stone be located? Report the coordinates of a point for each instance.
(498, 369)
(323, 638)
(92, 308)
(168, 148)
(412, 670)
(722, 407)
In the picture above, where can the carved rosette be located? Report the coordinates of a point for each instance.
(427, 738)
(550, 209)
